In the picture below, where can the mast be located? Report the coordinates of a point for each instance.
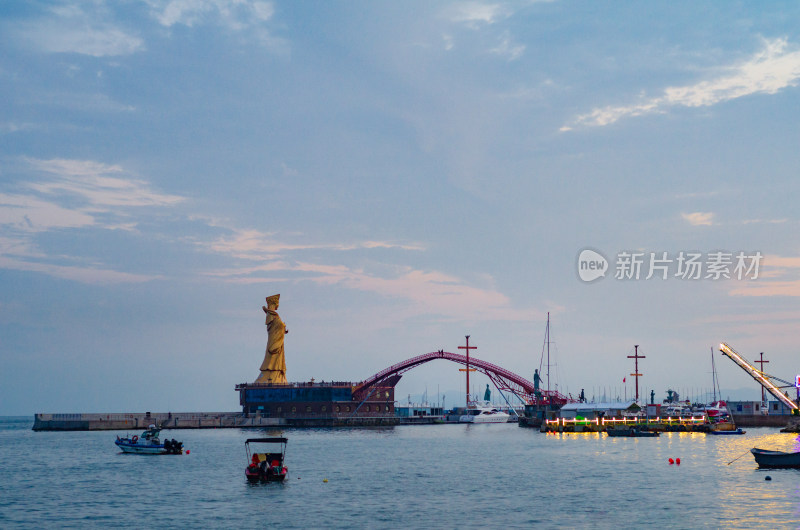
(547, 335)
(761, 363)
(467, 369)
(713, 375)
(637, 375)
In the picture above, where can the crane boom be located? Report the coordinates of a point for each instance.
(757, 374)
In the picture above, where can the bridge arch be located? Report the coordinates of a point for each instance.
(504, 380)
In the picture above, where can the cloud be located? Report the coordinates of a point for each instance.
(62, 194)
(90, 275)
(506, 48)
(240, 16)
(233, 14)
(31, 214)
(70, 29)
(97, 42)
(92, 181)
(473, 13)
(256, 245)
(770, 70)
(699, 218)
(763, 221)
(778, 276)
(428, 292)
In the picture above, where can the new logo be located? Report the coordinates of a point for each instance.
(591, 265)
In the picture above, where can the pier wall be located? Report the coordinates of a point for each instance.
(189, 420)
(762, 420)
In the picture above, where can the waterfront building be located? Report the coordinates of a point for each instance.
(316, 400)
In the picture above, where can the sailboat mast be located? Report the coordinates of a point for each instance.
(548, 352)
(713, 375)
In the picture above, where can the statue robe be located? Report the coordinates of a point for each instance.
(273, 369)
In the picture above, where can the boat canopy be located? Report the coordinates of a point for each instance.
(267, 440)
(617, 405)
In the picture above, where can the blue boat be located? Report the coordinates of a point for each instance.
(766, 458)
(149, 444)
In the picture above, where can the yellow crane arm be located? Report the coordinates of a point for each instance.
(756, 374)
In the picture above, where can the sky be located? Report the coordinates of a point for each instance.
(403, 174)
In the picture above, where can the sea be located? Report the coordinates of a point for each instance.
(409, 476)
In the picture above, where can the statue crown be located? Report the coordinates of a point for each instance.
(274, 299)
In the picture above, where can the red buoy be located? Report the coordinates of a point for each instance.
(671, 461)
(187, 451)
(678, 461)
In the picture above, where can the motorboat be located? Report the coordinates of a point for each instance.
(766, 458)
(632, 432)
(267, 466)
(734, 431)
(149, 443)
(483, 413)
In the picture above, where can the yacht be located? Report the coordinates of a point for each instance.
(483, 413)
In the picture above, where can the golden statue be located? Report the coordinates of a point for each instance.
(273, 369)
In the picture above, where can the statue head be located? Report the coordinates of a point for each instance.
(273, 301)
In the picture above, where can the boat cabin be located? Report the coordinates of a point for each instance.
(591, 411)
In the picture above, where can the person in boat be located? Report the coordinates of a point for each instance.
(273, 369)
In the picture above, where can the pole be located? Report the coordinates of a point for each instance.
(637, 375)
(467, 369)
(548, 352)
(761, 362)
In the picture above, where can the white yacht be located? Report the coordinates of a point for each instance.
(483, 413)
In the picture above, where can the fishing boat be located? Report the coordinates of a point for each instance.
(266, 467)
(766, 458)
(149, 444)
(483, 413)
(737, 430)
(632, 432)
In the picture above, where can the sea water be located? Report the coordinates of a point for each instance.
(426, 476)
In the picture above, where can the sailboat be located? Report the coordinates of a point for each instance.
(719, 415)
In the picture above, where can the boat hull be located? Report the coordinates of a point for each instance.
(142, 449)
(632, 433)
(737, 431)
(772, 459)
(258, 476)
(139, 448)
(493, 418)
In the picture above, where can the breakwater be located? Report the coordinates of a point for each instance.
(762, 420)
(189, 420)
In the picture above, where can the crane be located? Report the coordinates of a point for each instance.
(762, 378)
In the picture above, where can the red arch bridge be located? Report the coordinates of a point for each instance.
(503, 379)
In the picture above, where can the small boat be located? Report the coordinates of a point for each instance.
(738, 430)
(266, 467)
(766, 458)
(149, 444)
(632, 432)
(483, 413)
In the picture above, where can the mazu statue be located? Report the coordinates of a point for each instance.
(273, 369)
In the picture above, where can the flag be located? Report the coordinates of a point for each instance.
(623, 379)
